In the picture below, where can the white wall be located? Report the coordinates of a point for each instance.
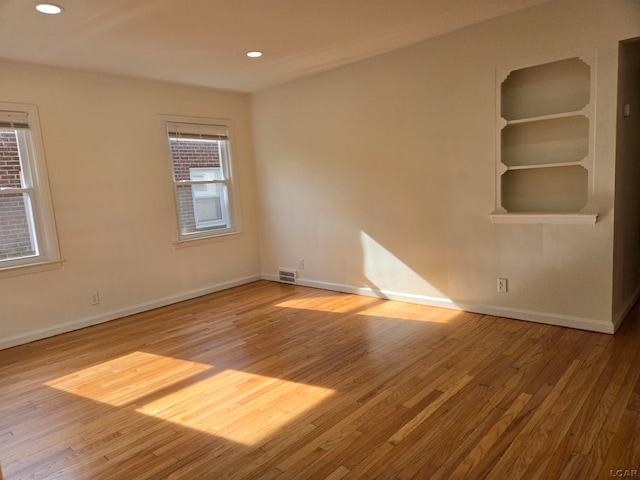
(105, 157)
(381, 174)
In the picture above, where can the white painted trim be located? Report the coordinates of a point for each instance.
(619, 316)
(30, 268)
(544, 218)
(105, 317)
(581, 323)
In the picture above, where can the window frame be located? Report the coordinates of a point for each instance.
(207, 193)
(226, 167)
(35, 184)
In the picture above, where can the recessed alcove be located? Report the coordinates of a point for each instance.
(547, 89)
(544, 140)
(556, 140)
(559, 189)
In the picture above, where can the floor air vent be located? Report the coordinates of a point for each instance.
(287, 276)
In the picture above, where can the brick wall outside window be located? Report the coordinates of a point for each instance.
(187, 155)
(15, 240)
(9, 160)
(194, 154)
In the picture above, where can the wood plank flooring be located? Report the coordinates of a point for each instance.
(273, 381)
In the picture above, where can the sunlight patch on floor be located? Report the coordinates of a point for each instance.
(339, 303)
(402, 311)
(239, 406)
(393, 310)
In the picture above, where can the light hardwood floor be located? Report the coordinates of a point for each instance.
(272, 381)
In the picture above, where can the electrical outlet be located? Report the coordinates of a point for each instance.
(95, 298)
(502, 285)
(301, 263)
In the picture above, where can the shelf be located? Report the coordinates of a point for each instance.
(544, 218)
(546, 89)
(563, 139)
(544, 138)
(544, 165)
(542, 118)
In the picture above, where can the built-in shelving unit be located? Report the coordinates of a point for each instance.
(544, 141)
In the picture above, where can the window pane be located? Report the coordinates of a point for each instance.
(188, 154)
(10, 168)
(207, 209)
(17, 239)
(202, 207)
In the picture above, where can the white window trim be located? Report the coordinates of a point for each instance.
(43, 225)
(235, 229)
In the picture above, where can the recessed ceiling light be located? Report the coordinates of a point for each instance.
(49, 8)
(254, 54)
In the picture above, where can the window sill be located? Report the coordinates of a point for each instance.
(31, 268)
(544, 218)
(193, 242)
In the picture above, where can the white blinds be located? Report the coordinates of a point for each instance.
(14, 120)
(194, 131)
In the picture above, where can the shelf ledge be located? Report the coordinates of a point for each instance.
(544, 165)
(542, 118)
(544, 218)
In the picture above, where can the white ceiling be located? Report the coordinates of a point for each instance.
(203, 42)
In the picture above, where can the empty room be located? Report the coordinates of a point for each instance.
(319, 239)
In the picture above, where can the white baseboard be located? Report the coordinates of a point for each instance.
(528, 315)
(619, 316)
(113, 315)
(581, 323)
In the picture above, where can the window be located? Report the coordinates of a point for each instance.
(201, 178)
(27, 229)
(210, 205)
